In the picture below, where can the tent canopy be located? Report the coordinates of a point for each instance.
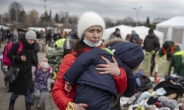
(173, 30)
(175, 21)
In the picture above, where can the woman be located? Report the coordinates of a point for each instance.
(100, 87)
(90, 29)
(23, 84)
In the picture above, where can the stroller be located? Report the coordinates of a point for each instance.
(4, 68)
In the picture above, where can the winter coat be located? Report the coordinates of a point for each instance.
(136, 38)
(59, 94)
(40, 80)
(151, 43)
(112, 36)
(24, 77)
(56, 37)
(173, 48)
(178, 62)
(41, 34)
(49, 36)
(93, 86)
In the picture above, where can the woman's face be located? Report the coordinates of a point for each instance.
(30, 41)
(93, 34)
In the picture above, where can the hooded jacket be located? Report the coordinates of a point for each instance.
(24, 77)
(173, 48)
(59, 94)
(113, 36)
(100, 87)
(71, 38)
(178, 62)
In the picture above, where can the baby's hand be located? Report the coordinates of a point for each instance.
(68, 87)
(39, 65)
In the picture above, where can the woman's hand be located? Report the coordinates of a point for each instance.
(109, 68)
(80, 106)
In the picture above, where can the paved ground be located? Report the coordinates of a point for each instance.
(20, 103)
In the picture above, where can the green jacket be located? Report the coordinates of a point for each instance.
(171, 44)
(178, 62)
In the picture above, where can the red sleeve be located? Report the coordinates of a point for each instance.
(60, 97)
(121, 81)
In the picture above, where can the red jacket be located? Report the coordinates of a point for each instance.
(60, 96)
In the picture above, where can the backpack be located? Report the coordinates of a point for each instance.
(7, 48)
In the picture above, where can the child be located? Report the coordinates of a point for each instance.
(40, 83)
(92, 85)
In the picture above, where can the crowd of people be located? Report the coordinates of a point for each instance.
(93, 74)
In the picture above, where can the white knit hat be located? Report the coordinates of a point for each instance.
(30, 35)
(87, 20)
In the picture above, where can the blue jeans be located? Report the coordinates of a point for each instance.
(28, 96)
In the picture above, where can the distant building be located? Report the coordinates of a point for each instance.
(159, 20)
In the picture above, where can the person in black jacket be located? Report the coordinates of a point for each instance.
(23, 84)
(151, 44)
(49, 38)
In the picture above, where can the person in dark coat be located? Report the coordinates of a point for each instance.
(49, 38)
(56, 36)
(134, 37)
(151, 44)
(95, 87)
(8, 35)
(23, 84)
(36, 48)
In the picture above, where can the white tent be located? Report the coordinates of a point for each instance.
(173, 30)
(142, 31)
(4, 27)
(37, 28)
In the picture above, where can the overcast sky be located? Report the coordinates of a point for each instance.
(114, 9)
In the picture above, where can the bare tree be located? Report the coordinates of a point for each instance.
(108, 22)
(15, 9)
(23, 17)
(128, 21)
(32, 17)
(119, 22)
(63, 17)
(73, 20)
(6, 17)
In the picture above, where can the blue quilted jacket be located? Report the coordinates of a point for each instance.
(93, 88)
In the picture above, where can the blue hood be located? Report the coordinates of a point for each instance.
(123, 50)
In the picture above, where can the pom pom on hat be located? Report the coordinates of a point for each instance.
(44, 65)
(45, 60)
(87, 20)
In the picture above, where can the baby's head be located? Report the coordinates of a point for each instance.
(44, 66)
(131, 54)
